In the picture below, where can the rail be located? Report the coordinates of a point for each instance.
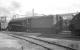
(32, 42)
(42, 41)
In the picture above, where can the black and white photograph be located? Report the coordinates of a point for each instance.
(39, 24)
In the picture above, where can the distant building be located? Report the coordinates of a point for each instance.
(68, 16)
(66, 20)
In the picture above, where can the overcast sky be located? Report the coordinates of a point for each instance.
(46, 6)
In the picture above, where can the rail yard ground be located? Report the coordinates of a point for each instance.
(28, 41)
(62, 35)
(8, 42)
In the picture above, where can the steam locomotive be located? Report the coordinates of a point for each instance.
(37, 24)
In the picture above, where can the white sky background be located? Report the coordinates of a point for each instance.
(46, 6)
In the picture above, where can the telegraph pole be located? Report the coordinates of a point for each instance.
(33, 12)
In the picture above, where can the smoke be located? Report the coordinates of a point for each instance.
(8, 9)
(14, 6)
(4, 11)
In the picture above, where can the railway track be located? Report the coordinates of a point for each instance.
(42, 43)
